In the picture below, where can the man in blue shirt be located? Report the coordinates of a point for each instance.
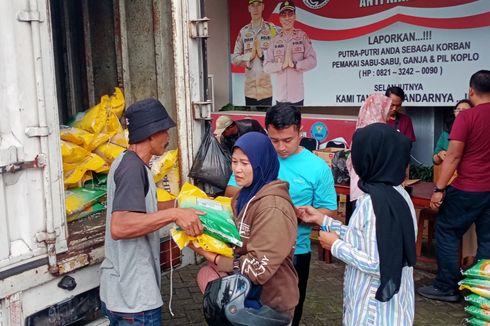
(310, 183)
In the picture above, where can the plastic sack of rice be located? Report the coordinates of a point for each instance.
(91, 210)
(477, 286)
(218, 221)
(120, 139)
(117, 102)
(480, 270)
(164, 195)
(75, 173)
(479, 313)
(478, 301)
(189, 190)
(477, 322)
(99, 139)
(72, 153)
(204, 241)
(224, 200)
(78, 199)
(76, 136)
(109, 152)
(95, 118)
(165, 171)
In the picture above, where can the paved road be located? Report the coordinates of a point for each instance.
(324, 298)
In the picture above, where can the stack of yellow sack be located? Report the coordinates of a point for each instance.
(93, 141)
(220, 232)
(88, 148)
(478, 281)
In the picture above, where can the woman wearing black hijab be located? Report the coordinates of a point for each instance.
(378, 245)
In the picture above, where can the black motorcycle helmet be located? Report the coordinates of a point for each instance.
(225, 304)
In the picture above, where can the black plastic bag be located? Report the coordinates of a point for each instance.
(212, 164)
(339, 167)
(310, 144)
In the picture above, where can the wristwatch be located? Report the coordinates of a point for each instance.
(439, 189)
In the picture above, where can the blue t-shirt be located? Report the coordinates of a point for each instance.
(310, 183)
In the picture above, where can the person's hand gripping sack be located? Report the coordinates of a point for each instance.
(188, 220)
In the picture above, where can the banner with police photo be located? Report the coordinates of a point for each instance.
(357, 47)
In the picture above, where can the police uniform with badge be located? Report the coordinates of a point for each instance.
(258, 85)
(289, 56)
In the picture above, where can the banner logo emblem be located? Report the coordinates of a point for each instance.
(315, 4)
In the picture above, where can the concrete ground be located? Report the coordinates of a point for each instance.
(323, 304)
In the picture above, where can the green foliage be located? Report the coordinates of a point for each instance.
(231, 107)
(424, 173)
(228, 107)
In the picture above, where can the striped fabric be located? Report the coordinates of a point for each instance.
(357, 247)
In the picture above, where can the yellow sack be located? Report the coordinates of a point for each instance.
(99, 139)
(113, 125)
(166, 171)
(120, 139)
(72, 153)
(480, 291)
(109, 152)
(162, 166)
(189, 190)
(76, 136)
(117, 102)
(164, 195)
(218, 220)
(95, 119)
(226, 201)
(75, 172)
(74, 177)
(204, 241)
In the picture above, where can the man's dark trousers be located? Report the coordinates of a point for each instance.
(459, 210)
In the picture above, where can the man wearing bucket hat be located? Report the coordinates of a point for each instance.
(289, 55)
(251, 43)
(130, 272)
(228, 131)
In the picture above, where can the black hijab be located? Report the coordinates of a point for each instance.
(380, 156)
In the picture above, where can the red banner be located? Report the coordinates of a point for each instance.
(364, 46)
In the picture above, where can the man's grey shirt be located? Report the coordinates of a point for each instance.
(130, 273)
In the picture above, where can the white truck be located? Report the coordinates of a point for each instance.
(56, 59)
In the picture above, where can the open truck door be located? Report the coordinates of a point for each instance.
(58, 58)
